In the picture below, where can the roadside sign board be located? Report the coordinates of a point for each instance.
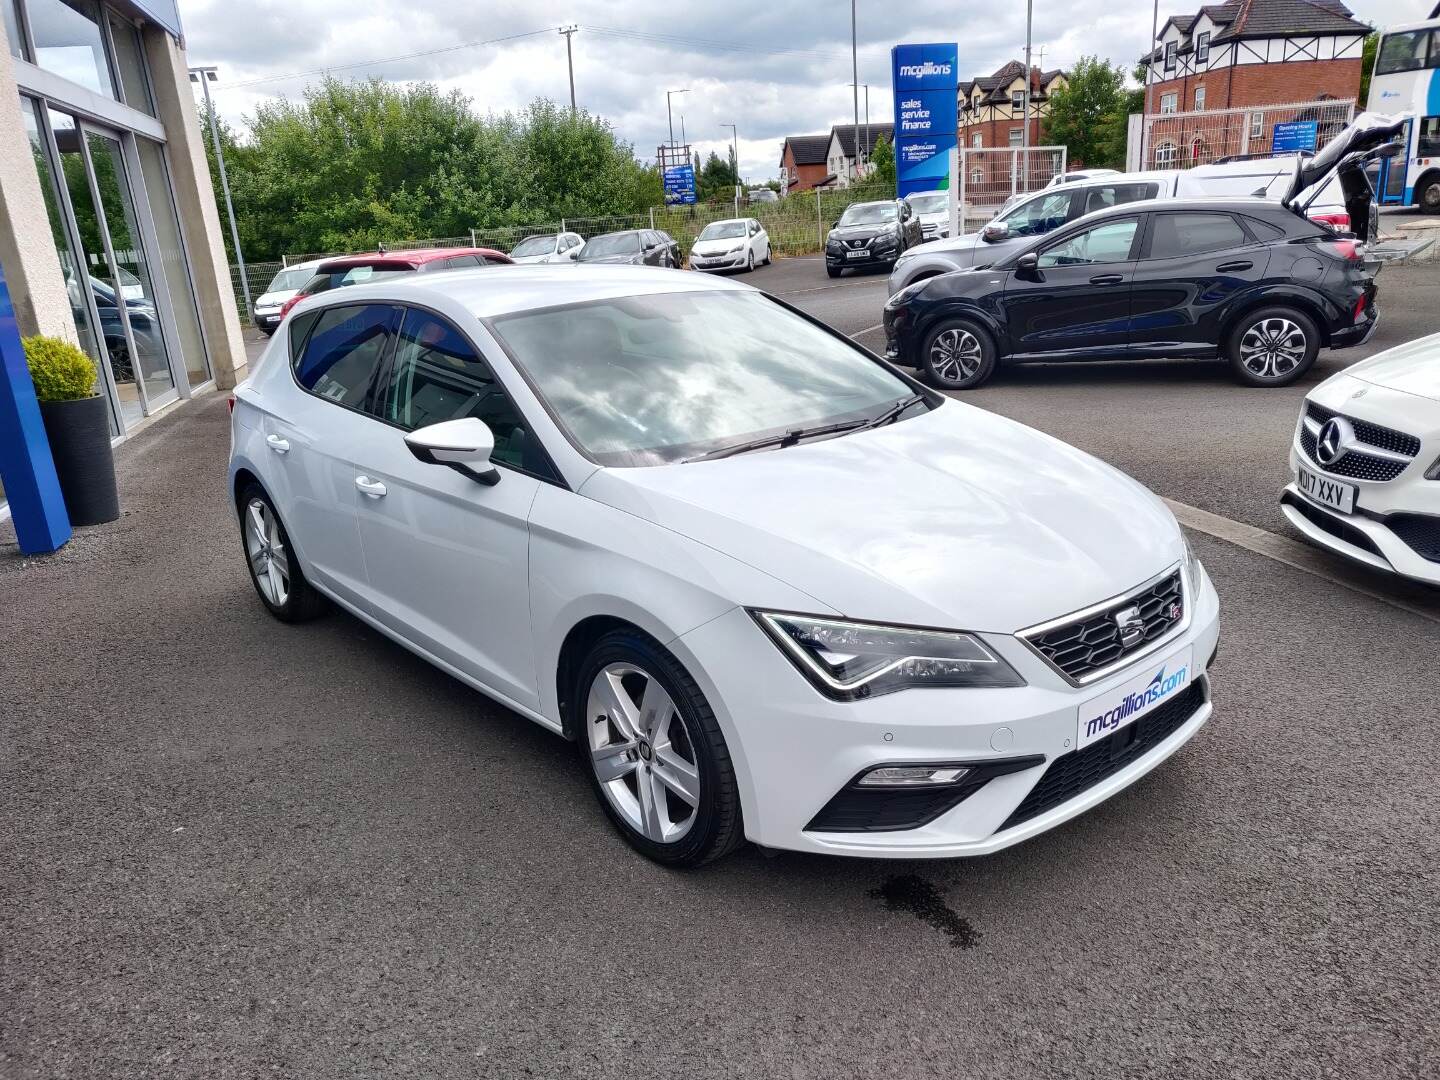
(1294, 135)
(679, 184)
(925, 79)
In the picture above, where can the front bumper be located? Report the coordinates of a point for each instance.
(885, 257)
(266, 319)
(794, 749)
(731, 261)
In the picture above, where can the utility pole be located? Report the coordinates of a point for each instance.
(205, 76)
(1149, 72)
(683, 140)
(569, 32)
(735, 142)
(1025, 126)
(855, 86)
(670, 116)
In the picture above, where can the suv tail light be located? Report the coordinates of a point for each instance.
(285, 307)
(1337, 222)
(1349, 250)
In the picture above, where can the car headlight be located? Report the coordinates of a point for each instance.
(851, 660)
(737, 247)
(1193, 570)
(1433, 473)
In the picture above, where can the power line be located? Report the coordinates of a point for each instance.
(392, 59)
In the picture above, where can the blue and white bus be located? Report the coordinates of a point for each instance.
(1406, 79)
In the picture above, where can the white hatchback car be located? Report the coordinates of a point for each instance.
(733, 244)
(1366, 461)
(548, 248)
(772, 587)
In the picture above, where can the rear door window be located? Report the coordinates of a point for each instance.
(1174, 236)
(343, 351)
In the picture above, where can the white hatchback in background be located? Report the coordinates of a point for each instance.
(932, 209)
(733, 244)
(770, 586)
(548, 248)
(1366, 461)
(283, 286)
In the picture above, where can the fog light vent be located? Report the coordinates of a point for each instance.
(913, 776)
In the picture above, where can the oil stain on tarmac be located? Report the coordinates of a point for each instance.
(921, 898)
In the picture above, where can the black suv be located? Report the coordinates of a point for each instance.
(871, 234)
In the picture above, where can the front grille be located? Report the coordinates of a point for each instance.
(1355, 464)
(1421, 532)
(1076, 772)
(1341, 530)
(1088, 644)
(1385, 438)
(858, 243)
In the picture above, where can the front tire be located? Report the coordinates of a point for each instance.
(654, 752)
(274, 569)
(833, 271)
(1273, 346)
(958, 355)
(750, 263)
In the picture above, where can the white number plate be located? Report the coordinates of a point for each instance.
(857, 254)
(1326, 492)
(1121, 707)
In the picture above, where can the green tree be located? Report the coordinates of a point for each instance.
(1088, 114)
(882, 158)
(717, 179)
(1367, 66)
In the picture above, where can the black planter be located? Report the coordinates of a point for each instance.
(79, 433)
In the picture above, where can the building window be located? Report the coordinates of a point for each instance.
(977, 175)
(1170, 56)
(70, 42)
(1257, 125)
(977, 140)
(1017, 136)
(12, 28)
(1202, 47)
(1165, 155)
(1169, 102)
(1199, 99)
(1017, 100)
(130, 64)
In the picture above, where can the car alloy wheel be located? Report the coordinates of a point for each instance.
(642, 753)
(956, 355)
(265, 548)
(1273, 348)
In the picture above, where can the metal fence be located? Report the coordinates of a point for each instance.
(1179, 140)
(989, 176)
(796, 225)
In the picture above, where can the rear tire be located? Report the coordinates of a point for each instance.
(654, 752)
(958, 355)
(274, 567)
(1272, 346)
(1428, 196)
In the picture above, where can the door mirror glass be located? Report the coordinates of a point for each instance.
(465, 444)
(995, 232)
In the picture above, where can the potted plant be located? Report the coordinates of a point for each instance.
(77, 426)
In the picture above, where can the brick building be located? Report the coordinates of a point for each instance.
(992, 114)
(1248, 53)
(802, 162)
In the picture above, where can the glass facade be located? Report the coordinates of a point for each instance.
(174, 267)
(69, 42)
(12, 28)
(130, 64)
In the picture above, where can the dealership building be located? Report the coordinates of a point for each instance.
(109, 233)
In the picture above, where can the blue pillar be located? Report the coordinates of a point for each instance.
(26, 467)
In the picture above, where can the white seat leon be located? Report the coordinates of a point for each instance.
(1366, 462)
(771, 587)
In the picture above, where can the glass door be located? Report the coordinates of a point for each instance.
(129, 267)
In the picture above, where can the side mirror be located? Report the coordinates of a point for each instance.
(835, 224)
(465, 445)
(995, 232)
(1028, 263)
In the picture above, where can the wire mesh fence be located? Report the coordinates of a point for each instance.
(990, 176)
(1179, 140)
(796, 225)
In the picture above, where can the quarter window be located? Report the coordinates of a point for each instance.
(1107, 195)
(1178, 235)
(343, 351)
(437, 376)
(1108, 243)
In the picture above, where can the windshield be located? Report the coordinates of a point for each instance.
(620, 243)
(289, 280)
(535, 245)
(929, 204)
(722, 230)
(352, 275)
(648, 380)
(875, 213)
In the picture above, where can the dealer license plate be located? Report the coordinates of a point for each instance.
(862, 254)
(1156, 684)
(1326, 492)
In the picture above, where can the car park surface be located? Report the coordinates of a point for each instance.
(287, 864)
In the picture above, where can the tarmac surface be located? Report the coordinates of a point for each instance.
(235, 848)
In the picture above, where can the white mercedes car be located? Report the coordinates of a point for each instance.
(733, 244)
(1366, 461)
(770, 586)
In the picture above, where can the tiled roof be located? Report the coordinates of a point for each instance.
(1239, 19)
(996, 88)
(846, 133)
(807, 149)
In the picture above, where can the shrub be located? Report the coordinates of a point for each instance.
(60, 371)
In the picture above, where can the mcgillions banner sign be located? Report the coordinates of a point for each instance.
(925, 78)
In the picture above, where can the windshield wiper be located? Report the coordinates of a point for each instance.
(795, 435)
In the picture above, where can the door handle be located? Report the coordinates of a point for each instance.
(1107, 279)
(1234, 267)
(373, 488)
(276, 443)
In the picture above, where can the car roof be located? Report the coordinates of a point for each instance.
(622, 232)
(1230, 204)
(412, 257)
(488, 293)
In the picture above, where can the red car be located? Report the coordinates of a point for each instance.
(358, 269)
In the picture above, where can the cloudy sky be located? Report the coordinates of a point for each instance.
(772, 67)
